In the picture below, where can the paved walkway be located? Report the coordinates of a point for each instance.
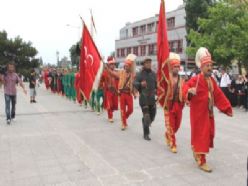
(56, 142)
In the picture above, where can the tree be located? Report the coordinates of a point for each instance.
(41, 61)
(224, 33)
(196, 9)
(74, 54)
(23, 53)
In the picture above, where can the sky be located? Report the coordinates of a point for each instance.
(55, 25)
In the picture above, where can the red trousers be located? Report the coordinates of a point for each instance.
(111, 103)
(47, 83)
(173, 119)
(79, 96)
(59, 86)
(126, 105)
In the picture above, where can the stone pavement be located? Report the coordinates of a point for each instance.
(56, 142)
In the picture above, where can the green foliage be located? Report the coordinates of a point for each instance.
(74, 54)
(224, 33)
(196, 9)
(23, 53)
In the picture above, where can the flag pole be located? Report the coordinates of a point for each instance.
(91, 25)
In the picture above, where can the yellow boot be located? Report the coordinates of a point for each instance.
(123, 128)
(201, 161)
(173, 149)
(111, 120)
(205, 167)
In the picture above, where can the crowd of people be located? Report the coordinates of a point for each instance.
(118, 87)
(235, 88)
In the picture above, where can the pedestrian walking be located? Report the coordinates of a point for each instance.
(32, 86)
(146, 84)
(10, 80)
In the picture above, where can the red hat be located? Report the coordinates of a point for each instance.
(174, 62)
(111, 60)
(128, 62)
(202, 57)
(174, 59)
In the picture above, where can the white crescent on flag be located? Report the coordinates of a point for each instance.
(88, 57)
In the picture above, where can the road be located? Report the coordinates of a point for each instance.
(57, 142)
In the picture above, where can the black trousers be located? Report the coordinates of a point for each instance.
(149, 113)
(226, 92)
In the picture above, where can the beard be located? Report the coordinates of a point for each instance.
(175, 73)
(208, 73)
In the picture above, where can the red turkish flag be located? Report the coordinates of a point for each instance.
(91, 65)
(163, 51)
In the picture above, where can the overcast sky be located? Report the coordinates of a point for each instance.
(43, 22)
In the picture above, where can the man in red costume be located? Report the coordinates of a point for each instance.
(125, 88)
(110, 89)
(46, 78)
(77, 88)
(203, 93)
(174, 101)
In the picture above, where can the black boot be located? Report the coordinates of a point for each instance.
(146, 130)
(146, 137)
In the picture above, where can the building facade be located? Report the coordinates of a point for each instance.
(140, 38)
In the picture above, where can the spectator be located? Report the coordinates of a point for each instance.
(233, 92)
(10, 80)
(240, 89)
(194, 72)
(225, 83)
(246, 91)
(216, 76)
(32, 84)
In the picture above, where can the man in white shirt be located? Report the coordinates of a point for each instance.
(225, 82)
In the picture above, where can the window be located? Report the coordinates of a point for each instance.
(129, 50)
(180, 46)
(143, 50)
(118, 52)
(171, 22)
(136, 51)
(123, 52)
(143, 29)
(176, 46)
(150, 27)
(135, 31)
(156, 26)
(173, 46)
(155, 48)
(170, 45)
(151, 49)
